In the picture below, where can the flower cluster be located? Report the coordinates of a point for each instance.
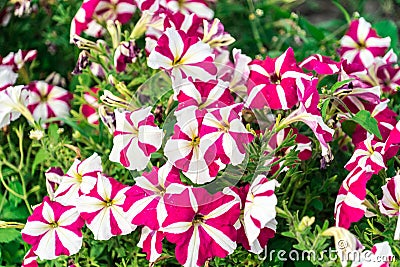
(207, 151)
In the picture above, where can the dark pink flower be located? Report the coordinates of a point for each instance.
(47, 101)
(321, 64)
(93, 12)
(202, 227)
(53, 230)
(204, 95)
(361, 44)
(103, 209)
(272, 82)
(89, 110)
(136, 137)
(183, 56)
(199, 7)
(151, 192)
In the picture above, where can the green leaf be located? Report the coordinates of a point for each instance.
(288, 234)
(53, 133)
(363, 117)
(317, 204)
(8, 234)
(311, 29)
(388, 28)
(339, 84)
(17, 187)
(41, 156)
(324, 107)
(344, 11)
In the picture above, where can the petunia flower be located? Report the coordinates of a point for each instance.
(272, 82)
(202, 227)
(151, 243)
(125, 53)
(53, 230)
(259, 209)
(13, 103)
(380, 255)
(92, 13)
(199, 7)
(361, 44)
(89, 109)
(18, 59)
(187, 151)
(309, 113)
(7, 77)
(54, 176)
(183, 56)
(136, 137)
(321, 64)
(346, 243)
(47, 101)
(30, 259)
(390, 202)
(151, 192)
(204, 95)
(103, 209)
(80, 179)
(215, 34)
(224, 128)
(349, 207)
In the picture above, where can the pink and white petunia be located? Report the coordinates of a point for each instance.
(148, 5)
(202, 227)
(183, 56)
(321, 64)
(7, 77)
(259, 209)
(54, 176)
(125, 53)
(361, 44)
(215, 34)
(30, 259)
(349, 207)
(89, 109)
(92, 13)
(198, 7)
(224, 128)
(151, 243)
(136, 137)
(47, 101)
(240, 73)
(272, 82)
(309, 113)
(13, 103)
(80, 179)
(187, 151)
(390, 202)
(18, 59)
(53, 230)
(380, 255)
(389, 78)
(151, 192)
(103, 209)
(204, 95)
(368, 156)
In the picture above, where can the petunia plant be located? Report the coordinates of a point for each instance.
(173, 141)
